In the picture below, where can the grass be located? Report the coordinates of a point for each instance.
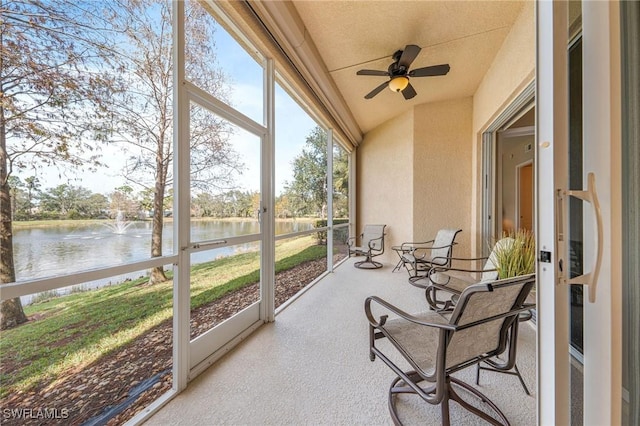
(517, 257)
(76, 330)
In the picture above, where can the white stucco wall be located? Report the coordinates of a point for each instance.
(442, 170)
(385, 181)
(420, 171)
(512, 70)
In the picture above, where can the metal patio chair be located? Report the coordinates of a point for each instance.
(371, 245)
(420, 257)
(453, 280)
(436, 344)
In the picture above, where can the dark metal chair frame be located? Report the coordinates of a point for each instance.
(418, 259)
(370, 248)
(435, 384)
(441, 279)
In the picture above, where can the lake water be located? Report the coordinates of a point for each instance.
(59, 250)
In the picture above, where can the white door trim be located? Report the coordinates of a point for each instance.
(602, 156)
(550, 174)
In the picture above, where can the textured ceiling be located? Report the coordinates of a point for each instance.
(352, 35)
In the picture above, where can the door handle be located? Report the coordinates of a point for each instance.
(590, 279)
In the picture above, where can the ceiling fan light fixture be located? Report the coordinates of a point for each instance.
(399, 83)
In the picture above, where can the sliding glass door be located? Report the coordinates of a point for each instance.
(593, 234)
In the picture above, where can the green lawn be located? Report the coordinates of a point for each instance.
(73, 331)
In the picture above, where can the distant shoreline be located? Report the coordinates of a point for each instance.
(66, 222)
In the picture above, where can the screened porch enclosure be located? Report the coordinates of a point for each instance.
(271, 158)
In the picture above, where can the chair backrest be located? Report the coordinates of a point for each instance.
(477, 305)
(372, 234)
(444, 244)
(489, 268)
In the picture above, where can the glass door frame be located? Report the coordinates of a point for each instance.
(193, 356)
(601, 131)
(522, 103)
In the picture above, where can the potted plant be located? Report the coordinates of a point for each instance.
(518, 257)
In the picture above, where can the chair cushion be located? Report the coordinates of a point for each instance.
(490, 273)
(420, 342)
(372, 234)
(444, 238)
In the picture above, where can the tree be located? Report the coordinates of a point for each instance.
(307, 193)
(340, 182)
(33, 188)
(97, 205)
(53, 93)
(122, 200)
(203, 205)
(17, 194)
(144, 113)
(68, 201)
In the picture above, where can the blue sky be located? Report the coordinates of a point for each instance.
(292, 123)
(292, 127)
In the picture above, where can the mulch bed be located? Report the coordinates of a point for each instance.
(138, 373)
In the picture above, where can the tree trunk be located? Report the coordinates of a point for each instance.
(11, 312)
(157, 274)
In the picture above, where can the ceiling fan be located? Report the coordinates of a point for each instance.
(399, 73)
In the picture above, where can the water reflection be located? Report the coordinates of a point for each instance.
(51, 251)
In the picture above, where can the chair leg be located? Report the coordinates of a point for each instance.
(368, 263)
(398, 266)
(515, 372)
(400, 386)
(524, 386)
(372, 338)
(501, 419)
(444, 409)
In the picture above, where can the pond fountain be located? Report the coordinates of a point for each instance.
(48, 251)
(120, 224)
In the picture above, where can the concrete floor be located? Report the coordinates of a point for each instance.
(311, 366)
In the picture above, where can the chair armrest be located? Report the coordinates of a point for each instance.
(400, 313)
(431, 248)
(412, 245)
(352, 240)
(447, 261)
(374, 239)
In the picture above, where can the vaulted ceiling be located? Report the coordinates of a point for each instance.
(352, 35)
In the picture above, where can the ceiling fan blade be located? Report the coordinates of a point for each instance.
(373, 72)
(409, 92)
(430, 71)
(408, 55)
(377, 90)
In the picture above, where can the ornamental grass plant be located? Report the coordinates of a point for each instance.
(517, 257)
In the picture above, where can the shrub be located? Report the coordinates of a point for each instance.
(321, 236)
(517, 258)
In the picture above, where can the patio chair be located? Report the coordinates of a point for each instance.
(371, 245)
(435, 344)
(419, 257)
(454, 280)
